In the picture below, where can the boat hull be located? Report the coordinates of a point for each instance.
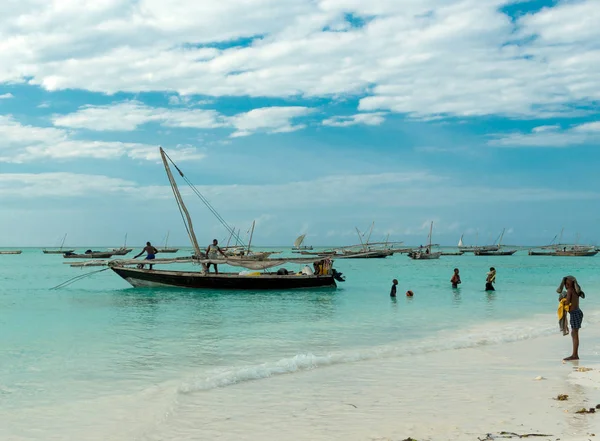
(168, 250)
(11, 252)
(143, 278)
(88, 256)
(121, 251)
(57, 251)
(495, 253)
(367, 255)
(424, 256)
(590, 253)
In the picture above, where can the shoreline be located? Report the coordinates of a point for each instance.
(461, 394)
(456, 394)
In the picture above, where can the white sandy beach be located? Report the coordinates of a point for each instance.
(460, 394)
(454, 395)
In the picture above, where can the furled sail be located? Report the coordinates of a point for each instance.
(299, 241)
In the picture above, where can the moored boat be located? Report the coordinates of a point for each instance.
(89, 255)
(494, 253)
(427, 252)
(497, 252)
(11, 252)
(60, 250)
(222, 281)
(122, 251)
(323, 274)
(166, 248)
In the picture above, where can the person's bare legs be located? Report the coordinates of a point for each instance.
(216, 270)
(575, 337)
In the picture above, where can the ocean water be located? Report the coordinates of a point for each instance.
(99, 350)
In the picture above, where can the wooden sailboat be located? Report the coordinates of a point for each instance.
(11, 251)
(60, 250)
(325, 276)
(563, 250)
(298, 243)
(364, 250)
(89, 254)
(427, 252)
(498, 252)
(123, 250)
(472, 248)
(166, 248)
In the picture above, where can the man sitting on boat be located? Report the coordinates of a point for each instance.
(151, 254)
(211, 252)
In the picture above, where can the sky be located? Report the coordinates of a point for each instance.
(306, 116)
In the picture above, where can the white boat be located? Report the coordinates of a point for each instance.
(11, 252)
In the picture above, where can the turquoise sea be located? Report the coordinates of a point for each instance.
(71, 357)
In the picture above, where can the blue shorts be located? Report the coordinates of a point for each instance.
(576, 318)
(150, 257)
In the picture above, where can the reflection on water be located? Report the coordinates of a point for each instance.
(456, 298)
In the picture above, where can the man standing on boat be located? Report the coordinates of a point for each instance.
(151, 253)
(211, 253)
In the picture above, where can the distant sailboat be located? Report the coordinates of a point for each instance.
(557, 248)
(166, 248)
(298, 243)
(123, 250)
(426, 253)
(60, 250)
(497, 252)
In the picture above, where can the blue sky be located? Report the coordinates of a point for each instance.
(307, 116)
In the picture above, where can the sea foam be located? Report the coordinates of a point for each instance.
(472, 337)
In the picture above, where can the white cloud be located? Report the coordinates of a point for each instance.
(23, 143)
(376, 191)
(43, 185)
(424, 58)
(269, 119)
(369, 119)
(551, 136)
(6, 96)
(130, 115)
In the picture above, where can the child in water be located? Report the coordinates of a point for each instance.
(490, 280)
(455, 280)
(393, 291)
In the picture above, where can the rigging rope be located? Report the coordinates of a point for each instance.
(78, 278)
(205, 201)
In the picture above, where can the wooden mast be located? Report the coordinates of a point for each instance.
(251, 234)
(430, 232)
(189, 226)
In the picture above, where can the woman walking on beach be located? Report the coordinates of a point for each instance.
(574, 292)
(490, 280)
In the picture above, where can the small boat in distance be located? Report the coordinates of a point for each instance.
(11, 252)
(564, 250)
(427, 252)
(472, 248)
(298, 244)
(123, 250)
(61, 250)
(166, 248)
(89, 254)
(497, 252)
